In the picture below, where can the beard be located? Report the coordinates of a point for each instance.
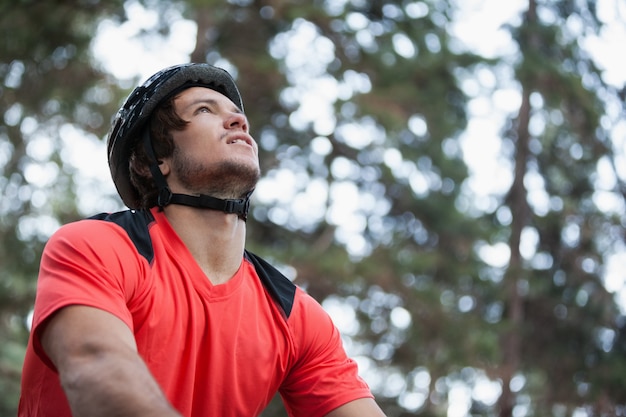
(228, 179)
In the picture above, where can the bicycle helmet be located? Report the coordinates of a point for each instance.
(130, 126)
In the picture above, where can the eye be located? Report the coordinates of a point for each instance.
(203, 109)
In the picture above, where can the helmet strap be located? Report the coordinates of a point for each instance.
(165, 196)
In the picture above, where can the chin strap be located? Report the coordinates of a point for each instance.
(165, 196)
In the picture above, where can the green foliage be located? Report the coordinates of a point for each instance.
(47, 81)
(412, 245)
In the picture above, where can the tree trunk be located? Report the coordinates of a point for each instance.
(513, 278)
(520, 211)
(205, 21)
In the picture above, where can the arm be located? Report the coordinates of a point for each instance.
(100, 370)
(364, 407)
(324, 381)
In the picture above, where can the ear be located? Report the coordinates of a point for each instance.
(165, 166)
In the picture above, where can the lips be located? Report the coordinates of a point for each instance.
(237, 141)
(244, 139)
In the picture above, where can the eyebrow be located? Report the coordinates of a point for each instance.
(211, 102)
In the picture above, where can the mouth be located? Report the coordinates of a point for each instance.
(243, 139)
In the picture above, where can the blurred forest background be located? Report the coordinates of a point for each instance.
(454, 301)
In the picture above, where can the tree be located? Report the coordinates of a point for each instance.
(48, 83)
(557, 293)
(359, 108)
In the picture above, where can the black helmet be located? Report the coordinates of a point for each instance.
(129, 123)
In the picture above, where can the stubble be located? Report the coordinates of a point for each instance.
(225, 179)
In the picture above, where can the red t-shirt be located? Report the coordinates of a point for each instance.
(215, 350)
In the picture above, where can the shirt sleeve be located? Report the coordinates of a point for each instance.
(323, 377)
(88, 263)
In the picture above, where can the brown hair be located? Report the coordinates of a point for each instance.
(162, 122)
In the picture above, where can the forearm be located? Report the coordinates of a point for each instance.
(101, 385)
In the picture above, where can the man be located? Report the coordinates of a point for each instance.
(160, 310)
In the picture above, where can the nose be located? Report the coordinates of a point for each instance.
(236, 120)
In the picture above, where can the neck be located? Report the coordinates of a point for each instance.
(215, 239)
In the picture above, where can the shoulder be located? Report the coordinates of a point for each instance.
(136, 227)
(309, 317)
(299, 308)
(89, 262)
(84, 232)
(99, 236)
(282, 290)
